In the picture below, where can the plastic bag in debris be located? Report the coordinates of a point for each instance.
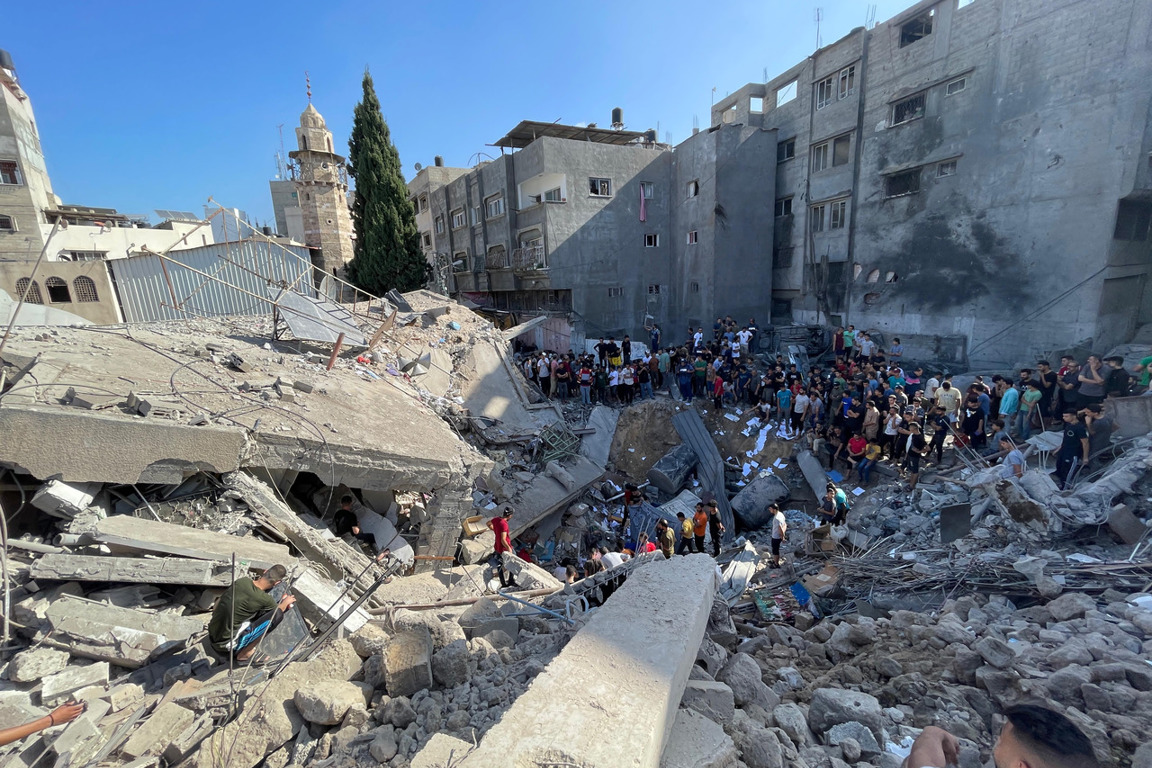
(839, 532)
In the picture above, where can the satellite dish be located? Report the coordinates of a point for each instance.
(418, 166)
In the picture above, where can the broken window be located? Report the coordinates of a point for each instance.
(784, 206)
(494, 206)
(460, 261)
(729, 115)
(838, 214)
(9, 172)
(840, 149)
(648, 189)
(785, 150)
(956, 86)
(655, 290)
(7, 223)
(786, 93)
(816, 218)
(497, 257)
(911, 108)
(947, 168)
(33, 289)
(917, 28)
(1132, 221)
(694, 188)
(692, 237)
(825, 92)
(600, 187)
(847, 82)
(85, 289)
(820, 157)
(905, 183)
(87, 255)
(58, 291)
(457, 218)
(427, 238)
(423, 203)
(651, 240)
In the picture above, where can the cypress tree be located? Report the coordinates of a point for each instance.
(386, 253)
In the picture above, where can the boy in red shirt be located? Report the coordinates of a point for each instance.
(499, 526)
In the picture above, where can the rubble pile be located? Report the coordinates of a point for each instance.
(857, 690)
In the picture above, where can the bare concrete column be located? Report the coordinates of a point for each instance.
(609, 699)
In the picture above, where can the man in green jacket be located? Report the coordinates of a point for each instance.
(246, 612)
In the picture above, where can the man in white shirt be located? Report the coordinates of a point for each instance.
(698, 338)
(744, 336)
(799, 408)
(611, 559)
(931, 386)
(867, 347)
(779, 531)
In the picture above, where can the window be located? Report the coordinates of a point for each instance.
(423, 203)
(474, 215)
(7, 223)
(33, 289)
(88, 255)
(847, 82)
(819, 157)
(906, 183)
(785, 150)
(825, 92)
(911, 108)
(457, 218)
(917, 28)
(838, 214)
(784, 206)
(656, 290)
(694, 287)
(816, 218)
(85, 289)
(616, 292)
(693, 188)
(785, 93)
(9, 172)
(460, 261)
(946, 169)
(57, 291)
(756, 104)
(963, 3)
(648, 188)
(840, 148)
(1132, 221)
(692, 237)
(874, 276)
(956, 86)
(439, 225)
(494, 206)
(427, 239)
(552, 196)
(600, 187)
(652, 241)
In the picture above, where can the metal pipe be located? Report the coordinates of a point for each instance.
(539, 608)
(35, 546)
(72, 540)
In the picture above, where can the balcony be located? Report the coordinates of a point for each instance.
(529, 259)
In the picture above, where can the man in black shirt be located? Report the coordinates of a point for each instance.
(602, 353)
(917, 446)
(626, 349)
(1074, 447)
(939, 424)
(1047, 378)
(1116, 380)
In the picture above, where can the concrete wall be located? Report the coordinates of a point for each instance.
(20, 142)
(121, 242)
(105, 310)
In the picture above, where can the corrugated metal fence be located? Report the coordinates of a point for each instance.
(246, 266)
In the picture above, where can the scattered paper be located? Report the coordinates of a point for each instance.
(747, 470)
(631, 450)
(491, 505)
(781, 466)
(857, 491)
(731, 417)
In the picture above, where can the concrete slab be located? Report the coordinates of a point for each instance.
(697, 742)
(126, 637)
(124, 533)
(322, 602)
(166, 723)
(134, 570)
(545, 495)
(597, 446)
(60, 686)
(441, 751)
(1126, 525)
(955, 522)
(408, 662)
(610, 697)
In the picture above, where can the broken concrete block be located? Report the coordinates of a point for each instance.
(441, 751)
(327, 702)
(408, 662)
(60, 686)
(1126, 525)
(169, 570)
(477, 549)
(166, 723)
(35, 663)
(697, 742)
(124, 636)
(713, 700)
(509, 625)
(303, 386)
(94, 402)
(79, 741)
(188, 739)
(450, 664)
(369, 640)
(65, 499)
(143, 407)
(529, 575)
(124, 696)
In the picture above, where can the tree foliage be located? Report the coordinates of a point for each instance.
(386, 253)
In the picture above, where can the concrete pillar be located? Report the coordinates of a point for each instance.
(609, 699)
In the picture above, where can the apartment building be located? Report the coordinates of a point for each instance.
(973, 176)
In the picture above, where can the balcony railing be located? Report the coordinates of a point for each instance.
(498, 259)
(529, 258)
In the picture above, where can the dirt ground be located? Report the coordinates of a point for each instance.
(732, 443)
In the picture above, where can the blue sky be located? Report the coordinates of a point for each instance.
(159, 105)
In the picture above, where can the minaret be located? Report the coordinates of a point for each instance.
(322, 193)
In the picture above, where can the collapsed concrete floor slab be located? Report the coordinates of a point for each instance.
(610, 697)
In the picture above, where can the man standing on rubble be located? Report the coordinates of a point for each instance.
(666, 539)
(246, 612)
(1033, 737)
(699, 526)
(715, 526)
(499, 526)
(779, 531)
(1074, 446)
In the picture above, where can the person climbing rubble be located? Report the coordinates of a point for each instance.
(246, 612)
(499, 526)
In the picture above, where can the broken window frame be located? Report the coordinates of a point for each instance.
(87, 255)
(837, 214)
(786, 150)
(7, 223)
(58, 291)
(841, 150)
(820, 156)
(599, 187)
(908, 109)
(10, 173)
(825, 92)
(648, 189)
(423, 203)
(554, 195)
(917, 28)
(903, 183)
(693, 188)
(946, 169)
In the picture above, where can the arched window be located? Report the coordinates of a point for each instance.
(7, 223)
(874, 276)
(85, 289)
(57, 291)
(33, 296)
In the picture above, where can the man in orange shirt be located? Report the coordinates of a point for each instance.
(699, 526)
